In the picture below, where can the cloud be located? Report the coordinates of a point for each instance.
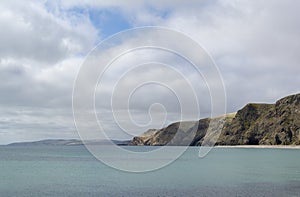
(255, 45)
(33, 123)
(30, 31)
(40, 54)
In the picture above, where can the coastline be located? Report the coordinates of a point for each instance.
(261, 146)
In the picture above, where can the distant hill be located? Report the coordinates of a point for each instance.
(254, 124)
(66, 142)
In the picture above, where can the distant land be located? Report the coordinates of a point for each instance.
(255, 124)
(66, 142)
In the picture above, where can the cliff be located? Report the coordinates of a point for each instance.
(254, 124)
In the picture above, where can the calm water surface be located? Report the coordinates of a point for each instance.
(73, 171)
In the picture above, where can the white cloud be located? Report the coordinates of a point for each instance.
(255, 45)
(40, 53)
(30, 31)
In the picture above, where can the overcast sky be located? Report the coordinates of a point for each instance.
(255, 44)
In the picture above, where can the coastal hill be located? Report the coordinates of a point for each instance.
(254, 124)
(68, 142)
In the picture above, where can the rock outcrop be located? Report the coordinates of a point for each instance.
(254, 124)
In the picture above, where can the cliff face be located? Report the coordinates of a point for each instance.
(179, 133)
(255, 124)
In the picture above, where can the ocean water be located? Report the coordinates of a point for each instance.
(73, 171)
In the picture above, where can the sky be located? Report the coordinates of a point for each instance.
(43, 44)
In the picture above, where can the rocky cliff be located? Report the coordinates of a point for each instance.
(254, 124)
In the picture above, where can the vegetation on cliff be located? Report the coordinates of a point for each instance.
(254, 124)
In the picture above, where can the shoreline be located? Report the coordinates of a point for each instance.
(261, 146)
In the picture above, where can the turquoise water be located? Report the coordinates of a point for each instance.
(73, 171)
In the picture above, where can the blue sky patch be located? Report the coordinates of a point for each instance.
(108, 22)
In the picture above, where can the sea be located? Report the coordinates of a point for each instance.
(41, 170)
